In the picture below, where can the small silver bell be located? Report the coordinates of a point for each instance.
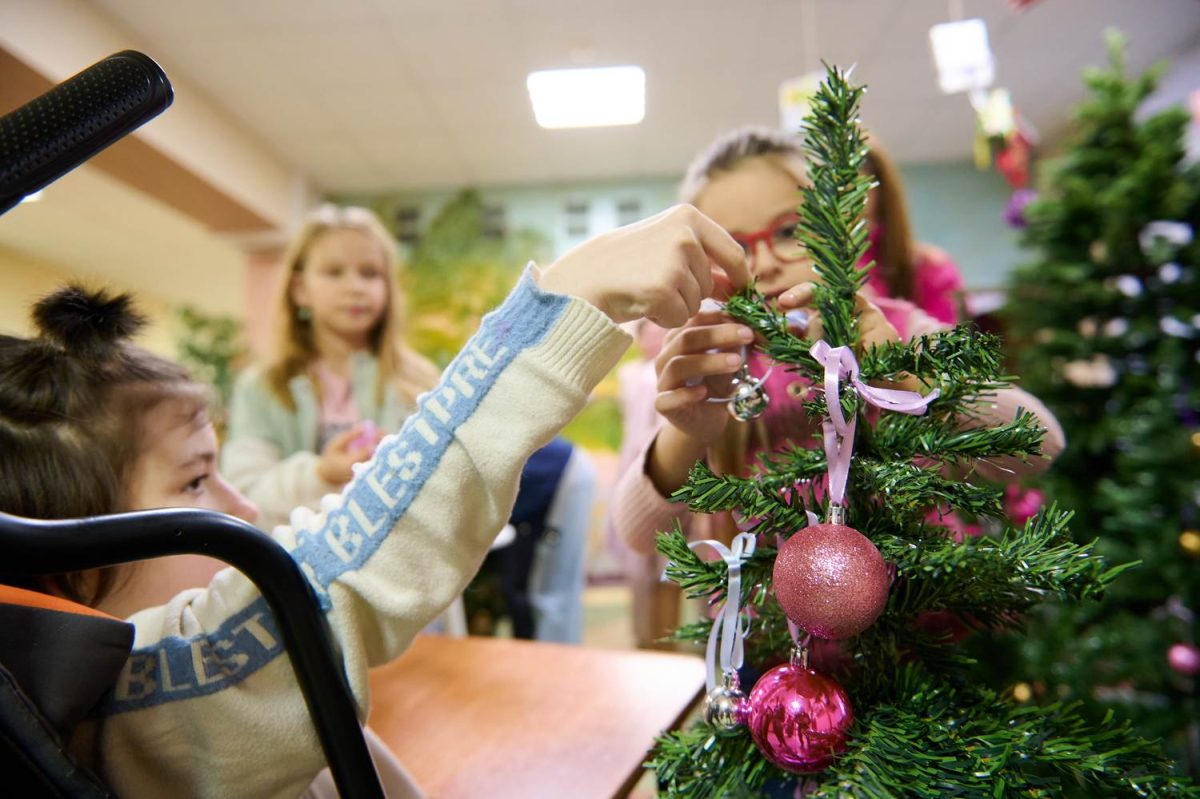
(725, 705)
(749, 401)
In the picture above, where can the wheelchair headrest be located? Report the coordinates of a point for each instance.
(63, 655)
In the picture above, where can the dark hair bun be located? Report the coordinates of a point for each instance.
(86, 322)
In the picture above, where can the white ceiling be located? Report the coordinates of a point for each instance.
(411, 94)
(407, 94)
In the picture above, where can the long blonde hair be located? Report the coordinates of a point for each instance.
(294, 348)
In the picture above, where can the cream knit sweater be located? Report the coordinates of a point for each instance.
(207, 705)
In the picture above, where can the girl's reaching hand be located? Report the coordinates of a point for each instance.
(343, 451)
(660, 268)
(695, 364)
(873, 326)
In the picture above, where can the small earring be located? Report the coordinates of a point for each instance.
(303, 314)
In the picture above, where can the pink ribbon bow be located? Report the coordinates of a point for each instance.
(839, 363)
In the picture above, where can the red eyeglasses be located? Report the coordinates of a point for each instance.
(780, 238)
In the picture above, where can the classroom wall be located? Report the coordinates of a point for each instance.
(955, 206)
(24, 281)
(542, 208)
(961, 209)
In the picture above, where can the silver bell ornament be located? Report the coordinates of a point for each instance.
(725, 705)
(749, 400)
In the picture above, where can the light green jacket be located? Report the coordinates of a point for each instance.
(270, 452)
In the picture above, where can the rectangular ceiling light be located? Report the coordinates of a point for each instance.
(588, 98)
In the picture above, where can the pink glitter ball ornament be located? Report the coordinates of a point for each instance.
(831, 580)
(1184, 658)
(798, 718)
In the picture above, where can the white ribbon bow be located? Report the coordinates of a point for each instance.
(729, 627)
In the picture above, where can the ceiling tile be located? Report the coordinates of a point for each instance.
(357, 77)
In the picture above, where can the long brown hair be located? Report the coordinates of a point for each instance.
(295, 350)
(894, 253)
(72, 402)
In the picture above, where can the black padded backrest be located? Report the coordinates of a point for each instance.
(64, 656)
(57, 659)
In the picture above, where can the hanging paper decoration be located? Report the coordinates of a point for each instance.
(962, 55)
(1002, 135)
(795, 99)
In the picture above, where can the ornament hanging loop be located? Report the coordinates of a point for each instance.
(749, 399)
(724, 703)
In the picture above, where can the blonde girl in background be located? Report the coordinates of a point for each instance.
(339, 375)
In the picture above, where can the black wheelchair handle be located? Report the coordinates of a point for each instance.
(33, 546)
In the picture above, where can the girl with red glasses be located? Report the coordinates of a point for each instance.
(747, 182)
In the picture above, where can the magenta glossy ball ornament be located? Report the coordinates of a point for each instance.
(799, 718)
(831, 580)
(1184, 659)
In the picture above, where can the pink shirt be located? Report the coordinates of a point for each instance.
(338, 409)
(937, 283)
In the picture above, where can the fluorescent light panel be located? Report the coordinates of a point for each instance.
(962, 55)
(588, 98)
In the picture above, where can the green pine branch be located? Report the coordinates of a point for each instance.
(908, 488)
(964, 352)
(902, 437)
(706, 492)
(986, 580)
(832, 228)
(707, 578)
(963, 364)
(990, 580)
(704, 763)
(931, 738)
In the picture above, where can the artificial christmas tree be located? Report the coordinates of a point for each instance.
(884, 706)
(1109, 319)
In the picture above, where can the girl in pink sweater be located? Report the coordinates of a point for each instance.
(747, 182)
